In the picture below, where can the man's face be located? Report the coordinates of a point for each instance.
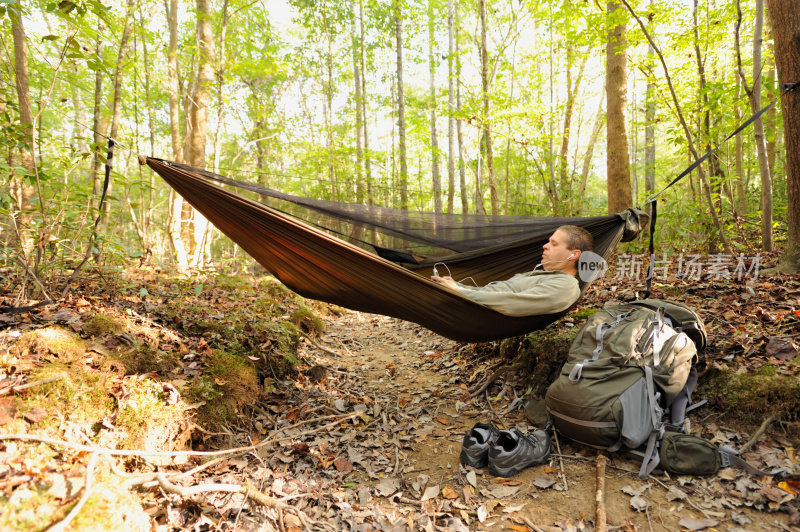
(555, 255)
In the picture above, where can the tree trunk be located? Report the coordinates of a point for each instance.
(22, 189)
(436, 178)
(329, 102)
(569, 111)
(785, 22)
(116, 102)
(401, 109)
(367, 161)
(462, 174)
(451, 109)
(175, 199)
(487, 119)
(199, 111)
(754, 95)
(220, 86)
(618, 162)
(354, 38)
(587, 156)
(741, 189)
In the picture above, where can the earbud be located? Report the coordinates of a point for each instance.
(571, 256)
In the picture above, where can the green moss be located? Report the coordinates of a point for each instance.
(751, 397)
(583, 313)
(235, 383)
(79, 395)
(544, 352)
(145, 359)
(111, 507)
(146, 419)
(767, 369)
(231, 283)
(102, 325)
(308, 322)
(50, 341)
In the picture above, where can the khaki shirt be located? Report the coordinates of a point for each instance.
(527, 294)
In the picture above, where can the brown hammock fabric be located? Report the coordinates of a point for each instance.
(320, 266)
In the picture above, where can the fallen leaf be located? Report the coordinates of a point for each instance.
(58, 488)
(771, 493)
(449, 493)
(472, 479)
(343, 465)
(639, 503)
(7, 410)
(507, 481)
(790, 486)
(543, 483)
(674, 494)
(697, 524)
(518, 528)
(431, 492)
(35, 415)
(782, 349)
(387, 486)
(482, 513)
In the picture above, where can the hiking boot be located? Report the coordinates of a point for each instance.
(475, 449)
(514, 451)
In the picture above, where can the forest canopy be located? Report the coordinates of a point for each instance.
(554, 108)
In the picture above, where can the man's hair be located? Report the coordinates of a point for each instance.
(577, 237)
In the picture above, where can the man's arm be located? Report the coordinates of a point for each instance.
(526, 296)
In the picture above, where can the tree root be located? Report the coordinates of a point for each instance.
(757, 434)
(499, 372)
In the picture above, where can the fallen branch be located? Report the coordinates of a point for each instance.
(21, 387)
(253, 494)
(599, 498)
(757, 434)
(560, 461)
(145, 454)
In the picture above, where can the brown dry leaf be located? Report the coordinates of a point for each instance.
(443, 420)
(449, 493)
(790, 486)
(7, 410)
(697, 524)
(507, 481)
(343, 465)
(782, 349)
(519, 528)
(772, 493)
(35, 415)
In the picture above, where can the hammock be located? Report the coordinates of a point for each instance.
(320, 266)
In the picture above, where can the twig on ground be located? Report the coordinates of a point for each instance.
(315, 344)
(145, 454)
(560, 461)
(254, 495)
(531, 524)
(21, 387)
(87, 488)
(757, 434)
(502, 370)
(601, 524)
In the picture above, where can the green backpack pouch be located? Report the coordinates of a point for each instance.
(684, 454)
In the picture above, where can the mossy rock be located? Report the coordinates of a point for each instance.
(145, 359)
(308, 322)
(147, 417)
(544, 352)
(752, 397)
(57, 342)
(230, 382)
(103, 325)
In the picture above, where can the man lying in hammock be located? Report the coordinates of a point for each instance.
(552, 289)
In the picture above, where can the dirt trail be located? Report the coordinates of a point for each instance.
(416, 382)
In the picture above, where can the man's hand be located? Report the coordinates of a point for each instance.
(446, 281)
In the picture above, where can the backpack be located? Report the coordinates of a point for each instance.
(627, 364)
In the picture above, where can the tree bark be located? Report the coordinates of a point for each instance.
(357, 97)
(220, 86)
(462, 174)
(569, 111)
(618, 162)
(487, 118)
(367, 159)
(175, 199)
(451, 109)
(754, 94)
(587, 156)
(435, 177)
(401, 110)
(785, 21)
(22, 190)
(199, 112)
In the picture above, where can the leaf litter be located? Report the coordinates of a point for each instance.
(374, 442)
